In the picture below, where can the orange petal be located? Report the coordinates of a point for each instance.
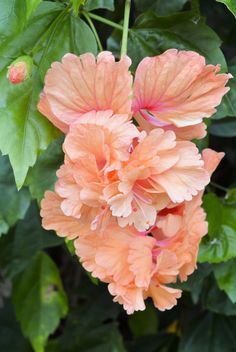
(54, 219)
(177, 87)
(163, 297)
(82, 84)
(211, 159)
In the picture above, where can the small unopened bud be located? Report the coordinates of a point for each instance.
(20, 69)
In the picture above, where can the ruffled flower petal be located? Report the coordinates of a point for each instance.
(55, 219)
(177, 87)
(82, 84)
(164, 297)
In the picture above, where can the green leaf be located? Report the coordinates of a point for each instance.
(82, 40)
(231, 196)
(209, 333)
(39, 299)
(210, 203)
(220, 244)
(24, 132)
(195, 281)
(95, 312)
(152, 35)
(219, 249)
(231, 5)
(161, 342)
(203, 289)
(225, 274)
(216, 300)
(47, 165)
(10, 334)
(162, 8)
(31, 6)
(24, 41)
(13, 204)
(228, 104)
(20, 245)
(102, 338)
(12, 17)
(99, 4)
(224, 128)
(145, 322)
(90, 326)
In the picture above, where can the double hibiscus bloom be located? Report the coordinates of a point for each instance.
(129, 194)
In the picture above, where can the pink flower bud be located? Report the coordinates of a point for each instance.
(20, 69)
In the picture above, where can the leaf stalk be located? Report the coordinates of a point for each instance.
(124, 42)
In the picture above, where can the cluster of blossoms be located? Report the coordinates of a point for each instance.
(129, 195)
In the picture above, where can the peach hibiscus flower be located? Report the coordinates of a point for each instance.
(110, 166)
(137, 265)
(83, 84)
(130, 197)
(160, 170)
(181, 227)
(95, 149)
(177, 89)
(131, 264)
(173, 90)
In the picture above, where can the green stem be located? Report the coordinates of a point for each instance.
(219, 186)
(90, 22)
(125, 28)
(103, 20)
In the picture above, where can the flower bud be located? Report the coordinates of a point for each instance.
(20, 69)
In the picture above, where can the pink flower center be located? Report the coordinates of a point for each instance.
(152, 119)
